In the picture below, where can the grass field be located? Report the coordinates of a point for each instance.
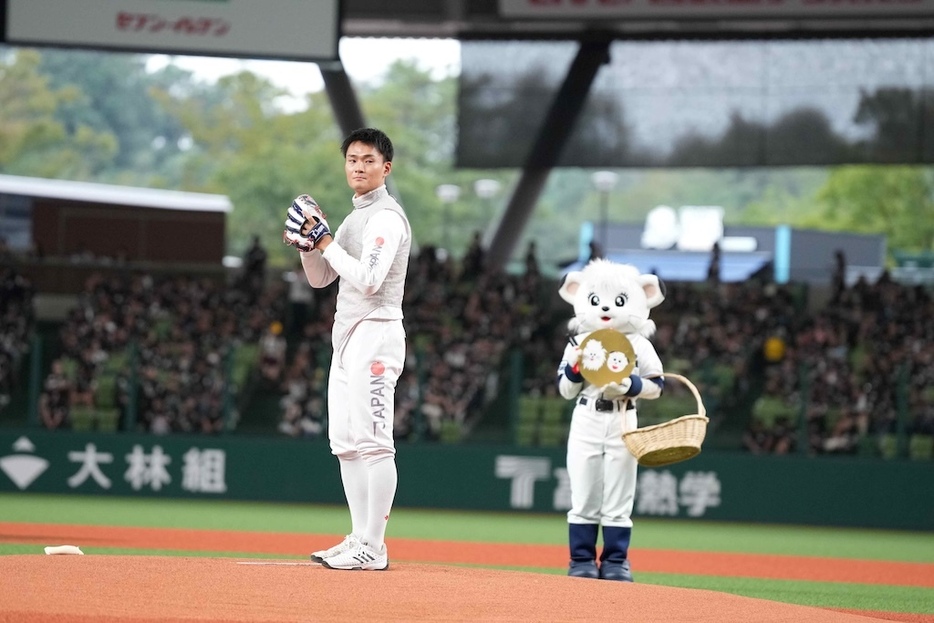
(520, 528)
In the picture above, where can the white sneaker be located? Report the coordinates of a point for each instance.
(350, 541)
(360, 558)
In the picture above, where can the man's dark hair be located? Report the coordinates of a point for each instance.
(370, 136)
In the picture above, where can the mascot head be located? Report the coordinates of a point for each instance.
(607, 295)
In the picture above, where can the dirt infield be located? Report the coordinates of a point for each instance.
(128, 589)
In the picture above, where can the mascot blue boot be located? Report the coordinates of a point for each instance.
(614, 560)
(582, 538)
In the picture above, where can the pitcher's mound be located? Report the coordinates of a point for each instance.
(73, 589)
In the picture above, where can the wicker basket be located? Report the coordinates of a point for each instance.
(670, 442)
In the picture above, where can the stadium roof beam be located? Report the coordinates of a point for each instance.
(346, 107)
(342, 96)
(594, 51)
(481, 19)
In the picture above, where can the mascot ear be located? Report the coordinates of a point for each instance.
(569, 286)
(654, 289)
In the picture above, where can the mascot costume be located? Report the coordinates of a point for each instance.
(604, 370)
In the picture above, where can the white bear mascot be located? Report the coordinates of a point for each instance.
(601, 469)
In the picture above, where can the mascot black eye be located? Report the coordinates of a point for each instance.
(621, 300)
(594, 300)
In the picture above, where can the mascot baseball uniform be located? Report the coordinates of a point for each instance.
(601, 470)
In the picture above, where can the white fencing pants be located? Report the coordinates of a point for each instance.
(362, 389)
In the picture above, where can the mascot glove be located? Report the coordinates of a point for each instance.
(572, 355)
(615, 390)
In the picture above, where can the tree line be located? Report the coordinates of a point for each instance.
(107, 117)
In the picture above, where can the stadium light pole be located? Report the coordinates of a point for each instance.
(604, 181)
(447, 194)
(487, 189)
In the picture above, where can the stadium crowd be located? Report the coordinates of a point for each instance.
(850, 365)
(461, 320)
(853, 363)
(17, 322)
(168, 342)
(849, 361)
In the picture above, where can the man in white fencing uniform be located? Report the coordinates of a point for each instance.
(369, 254)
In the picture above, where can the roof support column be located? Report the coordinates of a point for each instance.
(342, 96)
(346, 108)
(551, 139)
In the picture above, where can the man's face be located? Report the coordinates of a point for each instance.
(365, 168)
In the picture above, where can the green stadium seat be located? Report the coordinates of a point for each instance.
(652, 412)
(529, 409)
(83, 418)
(677, 365)
(108, 420)
(104, 394)
(450, 431)
(551, 434)
(116, 362)
(767, 409)
(245, 359)
(94, 419)
(677, 406)
(921, 447)
(725, 378)
(859, 357)
(553, 410)
(888, 446)
(525, 434)
(69, 368)
(163, 328)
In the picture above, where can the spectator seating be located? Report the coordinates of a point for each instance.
(769, 409)
(921, 447)
(542, 421)
(245, 359)
(888, 445)
(102, 415)
(94, 419)
(196, 345)
(853, 366)
(451, 431)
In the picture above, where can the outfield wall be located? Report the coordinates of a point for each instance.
(841, 491)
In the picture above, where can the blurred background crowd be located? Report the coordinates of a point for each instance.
(778, 372)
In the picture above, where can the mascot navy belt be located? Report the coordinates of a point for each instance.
(604, 405)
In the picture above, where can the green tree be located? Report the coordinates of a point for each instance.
(417, 112)
(897, 201)
(33, 140)
(261, 157)
(115, 96)
(106, 117)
